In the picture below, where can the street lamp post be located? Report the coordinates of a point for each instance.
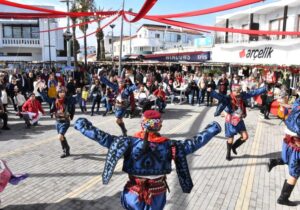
(67, 34)
(121, 43)
(50, 59)
(112, 44)
(130, 10)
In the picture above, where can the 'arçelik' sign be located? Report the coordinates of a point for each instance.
(264, 53)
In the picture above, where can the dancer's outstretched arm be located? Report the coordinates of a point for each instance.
(202, 138)
(113, 86)
(90, 131)
(220, 97)
(255, 92)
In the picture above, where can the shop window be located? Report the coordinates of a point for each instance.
(21, 31)
(245, 37)
(276, 25)
(19, 54)
(35, 32)
(157, 36)
(7, 32)
(17, 32)
(26, 32)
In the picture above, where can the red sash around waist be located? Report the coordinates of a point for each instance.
(146, 188)
(292, 141)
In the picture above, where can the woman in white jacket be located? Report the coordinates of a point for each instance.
(19, 100)
(4, 98)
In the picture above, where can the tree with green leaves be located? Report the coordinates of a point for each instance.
(85, 6)
(100, 43)
(74, 21)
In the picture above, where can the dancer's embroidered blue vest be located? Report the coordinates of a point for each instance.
(155, 161)
(225, 101)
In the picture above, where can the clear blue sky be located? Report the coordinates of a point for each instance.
(161, 7)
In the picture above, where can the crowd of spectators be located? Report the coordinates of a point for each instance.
(156, 89)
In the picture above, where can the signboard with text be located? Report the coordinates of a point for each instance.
(287, 53)
(176, 57)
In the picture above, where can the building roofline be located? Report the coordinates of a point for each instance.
(262, 9)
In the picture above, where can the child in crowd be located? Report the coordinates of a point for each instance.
(19, 100)
(84, 98)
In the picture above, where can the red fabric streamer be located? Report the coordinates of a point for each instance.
(111, 21)
(9, 15)
(29, 7)
(72, 26)
(55, 12)
(222, 29)
(143, 11)
(209, 10)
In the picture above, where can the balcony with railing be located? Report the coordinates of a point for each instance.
(20, 58)
(20, 42)
(233, 39)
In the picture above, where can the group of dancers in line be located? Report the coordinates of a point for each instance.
(148, 155)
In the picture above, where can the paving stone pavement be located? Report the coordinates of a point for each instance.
(75, 183)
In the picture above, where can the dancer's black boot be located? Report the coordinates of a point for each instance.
(228, 154)
(66, 148)
(124, 131)
(274, 162)
(285, 194)
(236, 144)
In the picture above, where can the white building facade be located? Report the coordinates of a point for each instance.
(283, 15)
(21, 40)
(154, 38)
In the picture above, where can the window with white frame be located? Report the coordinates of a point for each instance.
(21, 31)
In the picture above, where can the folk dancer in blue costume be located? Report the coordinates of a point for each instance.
(235, 109)
(63, 112)
(290, 154)
(147, 159)
(123, 92)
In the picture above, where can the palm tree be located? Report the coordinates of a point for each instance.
(74, 20)
(100, 43)
(85, 6)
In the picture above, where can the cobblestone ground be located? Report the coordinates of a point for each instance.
(75, 182)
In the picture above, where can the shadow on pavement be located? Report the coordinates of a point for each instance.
(74, 174)
(89, 156)
(176, 113)
(103, 203)
(227, 166)
(268, 155)
(19, 132)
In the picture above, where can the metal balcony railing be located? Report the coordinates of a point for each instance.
(21, 42)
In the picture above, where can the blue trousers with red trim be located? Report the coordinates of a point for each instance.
(291, 157)
(130, 201)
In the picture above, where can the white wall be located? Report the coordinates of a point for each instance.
(146, 41)
(264, 22)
